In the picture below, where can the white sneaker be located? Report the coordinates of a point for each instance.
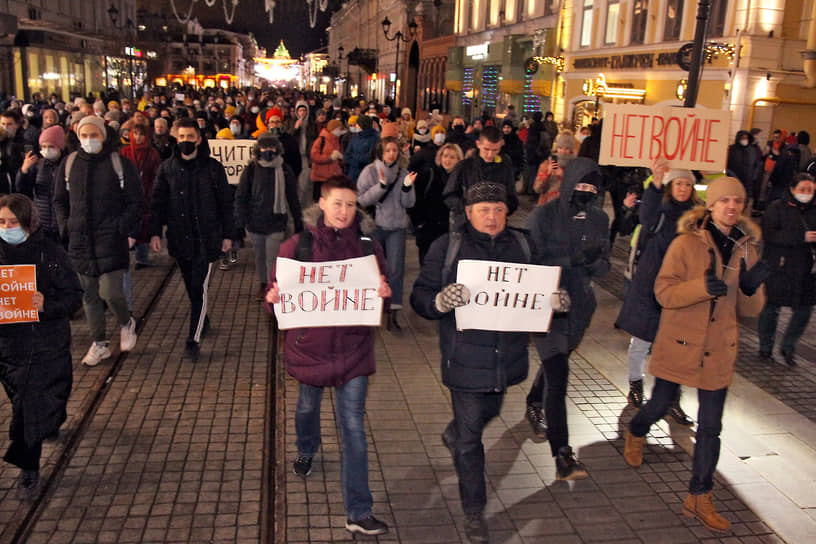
(96, 353)
(128, 336)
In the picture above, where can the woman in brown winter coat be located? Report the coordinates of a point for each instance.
(711, 273)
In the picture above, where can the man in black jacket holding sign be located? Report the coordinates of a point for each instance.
(193, 198)
(477, 365)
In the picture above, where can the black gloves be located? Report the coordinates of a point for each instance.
(586, 255)
(750, 280)
(714, 285)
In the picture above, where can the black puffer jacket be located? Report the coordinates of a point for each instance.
(38, 185)
(743, 162)
(97, 213)
(472, 360)
(640, 313)
(194, 200)
(35, 358)
(789, 257)
(579, 244)
(255, 200)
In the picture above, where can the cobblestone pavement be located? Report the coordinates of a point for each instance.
(175, 451)
(88, 382)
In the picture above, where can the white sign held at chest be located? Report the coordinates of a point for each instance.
(233, 155)
(506, 296)
(328, 294)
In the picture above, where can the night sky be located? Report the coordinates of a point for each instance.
(291, 21)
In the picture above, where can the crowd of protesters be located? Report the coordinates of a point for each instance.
(329, 179)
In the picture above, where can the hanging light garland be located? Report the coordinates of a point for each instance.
(313, 6)
(228, 16)
(269, 7)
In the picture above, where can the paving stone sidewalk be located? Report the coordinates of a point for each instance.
(415, 486)
(87, 382)
(175, 452)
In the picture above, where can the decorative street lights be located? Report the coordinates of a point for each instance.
(399, 37)
(113, 14)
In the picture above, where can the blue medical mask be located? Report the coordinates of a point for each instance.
(14, 235)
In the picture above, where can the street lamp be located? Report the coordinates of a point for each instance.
(113, 14)
(399, 37)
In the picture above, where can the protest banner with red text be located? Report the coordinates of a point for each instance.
(18, 283)
(328, 294)
(691, 138)
(506, 296)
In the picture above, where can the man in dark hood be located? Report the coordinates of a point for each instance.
(573, 233)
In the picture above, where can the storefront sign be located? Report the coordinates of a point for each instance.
(692, 138)
(506, 296)
(328, 294)
(18, 283)
(233, 155)
(477, 52)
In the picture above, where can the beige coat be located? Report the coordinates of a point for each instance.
(696, 343)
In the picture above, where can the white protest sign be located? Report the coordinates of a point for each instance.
(506, 296)
(328, 294)
(233, 155)
(691, 138)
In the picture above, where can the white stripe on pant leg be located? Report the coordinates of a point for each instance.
(203, 315)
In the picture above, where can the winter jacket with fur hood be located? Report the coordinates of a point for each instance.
(696, 343)
(330, 356)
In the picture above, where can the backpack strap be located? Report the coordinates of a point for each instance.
(69, 162)
(116, 161)
(303, 252)
(454, 244)
(524, 243)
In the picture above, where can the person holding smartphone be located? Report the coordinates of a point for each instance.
(550, 172)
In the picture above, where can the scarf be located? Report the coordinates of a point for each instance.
(280, 184)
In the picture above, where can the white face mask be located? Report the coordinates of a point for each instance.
(235, 129)
(439, 138)
(422, 131)
(743, 143)
(91, 145)
(582, 137)
(50, 153)
(338, 132)
(804, 198)
(355, 129)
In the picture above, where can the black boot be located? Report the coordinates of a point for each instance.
(393, 323)
(636, 394)
(677, 414)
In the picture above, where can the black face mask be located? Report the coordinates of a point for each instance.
(268, 155)
(459, 129)
(581, 199)
(187, 148)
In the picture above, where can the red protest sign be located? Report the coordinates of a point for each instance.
(18, 283)
(691, 138)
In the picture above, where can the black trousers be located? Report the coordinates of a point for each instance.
(196, 274)
(27, 457)
(549, 391)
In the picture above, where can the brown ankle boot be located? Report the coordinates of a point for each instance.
(633, 449)
(701, 507)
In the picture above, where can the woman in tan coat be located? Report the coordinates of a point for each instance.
(711, 273)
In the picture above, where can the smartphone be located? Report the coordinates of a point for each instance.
(28, 148)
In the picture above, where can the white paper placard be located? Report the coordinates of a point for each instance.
(506, 296)
(691, 138)
(329, 293)
(233, 155)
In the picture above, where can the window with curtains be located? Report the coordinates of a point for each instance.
(639, 19)
(586, 24)
(612, 22)
(674, 20)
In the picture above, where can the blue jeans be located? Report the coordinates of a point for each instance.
(768, 320)
(709, 426)
(354, 456)
(393, 242)
(471, 413)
